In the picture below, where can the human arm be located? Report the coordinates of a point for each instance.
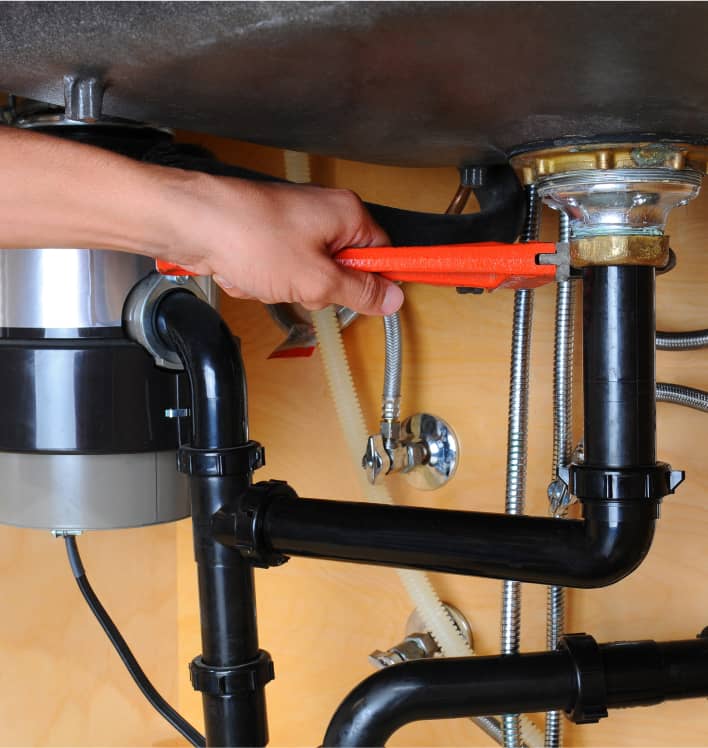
(272, 242)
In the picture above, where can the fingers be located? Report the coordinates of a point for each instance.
(223, 284)
(283, 251)
(359, 229)
(234, 291)
(366, 293)
(377, 237)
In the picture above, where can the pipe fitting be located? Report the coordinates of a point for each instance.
(139, 314)
(186, 324)
(617, 216)
(416, 646)
(623, 249)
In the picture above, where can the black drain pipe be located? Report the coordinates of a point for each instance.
(607, 545)
(581, 678)
(619, 385)
(232, 671)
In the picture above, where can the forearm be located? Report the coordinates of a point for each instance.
(56, 193)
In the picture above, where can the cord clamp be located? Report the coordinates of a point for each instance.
(227, 681)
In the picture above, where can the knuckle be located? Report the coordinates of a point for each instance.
(346, 195)
(350, 201)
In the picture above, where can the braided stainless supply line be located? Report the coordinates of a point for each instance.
(689, 397)
(391, 404)
(681, 341)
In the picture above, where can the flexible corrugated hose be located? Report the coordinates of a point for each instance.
(562, 452)
(435, 616)
(420, 589)
(517, 447)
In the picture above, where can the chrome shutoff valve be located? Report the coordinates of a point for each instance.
(423, 447)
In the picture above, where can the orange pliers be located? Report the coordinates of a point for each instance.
(486, 265)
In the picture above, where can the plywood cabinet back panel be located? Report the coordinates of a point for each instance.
(321, 619)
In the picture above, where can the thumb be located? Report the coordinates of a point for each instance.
(367, 293)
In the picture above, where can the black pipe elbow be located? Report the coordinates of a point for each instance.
(450, 688)
(618, 536)
(214, 367)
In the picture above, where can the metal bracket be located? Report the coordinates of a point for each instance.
(83, 99)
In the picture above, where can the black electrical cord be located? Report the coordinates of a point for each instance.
(121, 646)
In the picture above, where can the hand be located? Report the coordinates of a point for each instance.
(274, 242)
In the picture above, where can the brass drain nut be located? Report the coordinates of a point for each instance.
(630, 249)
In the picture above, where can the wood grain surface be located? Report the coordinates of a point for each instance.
(62, 683)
